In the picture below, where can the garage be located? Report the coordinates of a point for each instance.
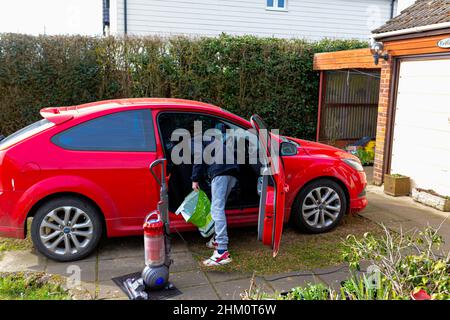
(411, 52)
(421, 126)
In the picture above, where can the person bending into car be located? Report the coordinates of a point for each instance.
(223, 175)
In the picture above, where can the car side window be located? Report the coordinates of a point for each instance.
(124, 131)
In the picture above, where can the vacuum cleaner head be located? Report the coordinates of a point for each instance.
(135, 289)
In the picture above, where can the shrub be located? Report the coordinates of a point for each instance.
(244, 75)
(407, 261)
(400, 264)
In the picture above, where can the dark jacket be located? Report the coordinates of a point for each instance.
(215, 169)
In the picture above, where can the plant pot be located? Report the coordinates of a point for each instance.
(396, 185)
(431, 199)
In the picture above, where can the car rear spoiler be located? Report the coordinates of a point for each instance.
(57, 115)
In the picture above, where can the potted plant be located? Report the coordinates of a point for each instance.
(396, 185)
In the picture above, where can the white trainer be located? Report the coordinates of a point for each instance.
(218, 259)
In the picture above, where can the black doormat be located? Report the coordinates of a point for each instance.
(152, 294)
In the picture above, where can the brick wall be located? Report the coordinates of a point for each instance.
(383, 106)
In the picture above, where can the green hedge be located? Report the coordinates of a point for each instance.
(244, 75)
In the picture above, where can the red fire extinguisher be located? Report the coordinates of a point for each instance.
(154, 244)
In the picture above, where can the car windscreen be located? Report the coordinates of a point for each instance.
(26, 132)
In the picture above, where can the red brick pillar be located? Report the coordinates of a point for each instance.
(383, 106)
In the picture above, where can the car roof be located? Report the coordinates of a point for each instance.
(117, 103)
(62, 114)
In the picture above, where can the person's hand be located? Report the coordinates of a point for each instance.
(195, 186)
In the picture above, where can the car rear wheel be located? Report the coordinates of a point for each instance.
(66, 229)
(319, 207)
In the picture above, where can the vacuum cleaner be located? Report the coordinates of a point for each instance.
(155, 275)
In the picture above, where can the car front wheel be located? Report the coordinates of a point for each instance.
(320, 206)
(66, 229)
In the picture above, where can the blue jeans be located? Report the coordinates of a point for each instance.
(220, 190)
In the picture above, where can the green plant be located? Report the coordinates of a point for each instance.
(244, 75)
(311, 292)
(362, 288)
(407, 261)
(366, 157)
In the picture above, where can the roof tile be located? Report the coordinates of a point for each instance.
(421, 13)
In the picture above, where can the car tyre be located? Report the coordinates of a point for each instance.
(66, 229)
(319, 207)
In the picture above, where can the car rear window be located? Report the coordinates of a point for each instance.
(26, 132)
(122, 131)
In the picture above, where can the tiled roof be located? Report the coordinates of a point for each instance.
(421, 13)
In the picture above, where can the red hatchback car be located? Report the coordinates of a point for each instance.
(83, 171)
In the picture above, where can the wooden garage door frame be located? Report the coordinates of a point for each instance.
(393, 101)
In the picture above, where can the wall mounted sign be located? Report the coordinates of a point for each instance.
(444, 43)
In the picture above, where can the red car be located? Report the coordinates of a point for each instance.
(83, 171)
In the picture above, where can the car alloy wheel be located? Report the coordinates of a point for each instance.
(66, 230)
(321, 207)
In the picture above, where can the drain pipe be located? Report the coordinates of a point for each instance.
(125, 17)
(392, 8)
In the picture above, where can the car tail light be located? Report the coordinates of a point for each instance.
(2, 155)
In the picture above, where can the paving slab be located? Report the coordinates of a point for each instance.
(221, 276)
(183, 261)
(108, 269)
(83, 291)
(205, 292)
(188, 279)
(15, 261)
(108, 290)
(231, 290)
(121, 248)
(80, 270)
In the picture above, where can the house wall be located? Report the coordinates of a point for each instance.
(311, 19)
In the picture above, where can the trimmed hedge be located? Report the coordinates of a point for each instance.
(244, 75)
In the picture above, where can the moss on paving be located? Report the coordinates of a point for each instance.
(298, 251)
(31, 286)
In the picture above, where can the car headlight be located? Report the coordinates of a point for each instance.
(355, 164)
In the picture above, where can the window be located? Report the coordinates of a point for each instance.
(121, 131)
(276, 4)
(25, 133)
(169, 121)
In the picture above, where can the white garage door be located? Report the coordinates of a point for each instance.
(421, 146)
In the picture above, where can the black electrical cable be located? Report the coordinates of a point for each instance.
(299, 274)
(306, 274)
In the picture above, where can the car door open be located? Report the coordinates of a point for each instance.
(272, 188)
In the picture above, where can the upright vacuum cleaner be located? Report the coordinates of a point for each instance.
(155, 275)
